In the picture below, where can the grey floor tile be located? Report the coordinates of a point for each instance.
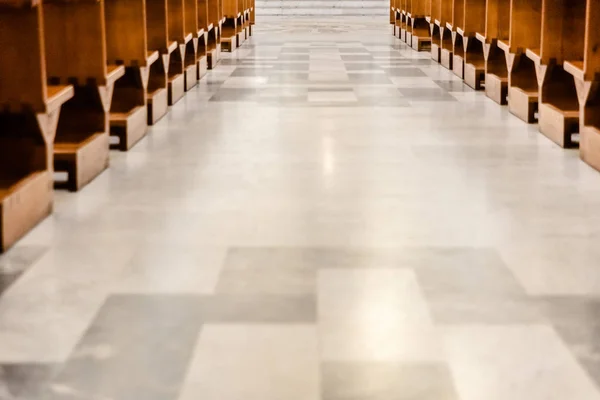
(139, 346)
(25, 381)
(474, 272)
(577, 321)
(386, 381)
(353, 50)
(357, 57)
(453, 86)
(243, 72)
(362, 66)
(405, 72)
(366, 79)
(287, 78)
(296, 66)
(426, 94)
(16, 261)
(248, 309)
(235, 94)
(295, 50)
(294, 57)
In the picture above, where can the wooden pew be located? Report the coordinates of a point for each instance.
(247, 18)
(404, 19)
(494, 78)
(75, 38)
(252, 16)
(230, 26)
(29, 113)
(457, 54)
(241, 24)
(441, 36)
(210, 34)
(214, 21)
(585, 68)
(393, 14)
(178, 68)
(395, 17)
(525, 30)
(162, 85)
(196, 49)
(561, 39)
(420, 29)
(127, 45)
(182, 61)
(408, 21)
(435, 9)
(468, 50)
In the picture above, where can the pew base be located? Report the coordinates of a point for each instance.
(403, 34)
(129, 127)
(496, 88)
(558, 125)
(190, 76)
(239, 39)
(176, 88)
(202, 67)
(24, 203)
(523, 104)
(435, 52)
(251, 29)
(589, 146)
(421, 43)
(446, 58)
(82, 160)
(212, 57)
(228, 44)
(474, 76)
(458, 66)
(158, 105)
(409, 38)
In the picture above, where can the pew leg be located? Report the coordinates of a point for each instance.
(158, 91)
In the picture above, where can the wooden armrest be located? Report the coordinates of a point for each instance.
(201, 32)
(534, 55)
(437, 22)
(172, 46)
(504, 46)
(210, 27)
(449, 26)
(481, 37)
(152, 57)
(114, 72)
(575, 68)
(58, 95)
(187, 38)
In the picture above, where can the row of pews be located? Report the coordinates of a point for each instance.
(539, 57)
(80, 77)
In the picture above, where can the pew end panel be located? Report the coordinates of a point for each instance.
(157, 30)
(29, 113)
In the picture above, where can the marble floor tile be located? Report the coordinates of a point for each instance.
(386, 381)
(254, 362)
(138, 346)
(264, 271)
(361, 66)
(258, 309)
(356, 57)
(514, 362)
(25, 381)
(405, 72)
(331, 96)
(577, 321)
(176, 269)
(15, 262)
(374, 315)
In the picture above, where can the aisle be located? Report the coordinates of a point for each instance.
(330, 215)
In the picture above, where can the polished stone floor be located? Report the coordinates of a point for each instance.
(329, 215)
